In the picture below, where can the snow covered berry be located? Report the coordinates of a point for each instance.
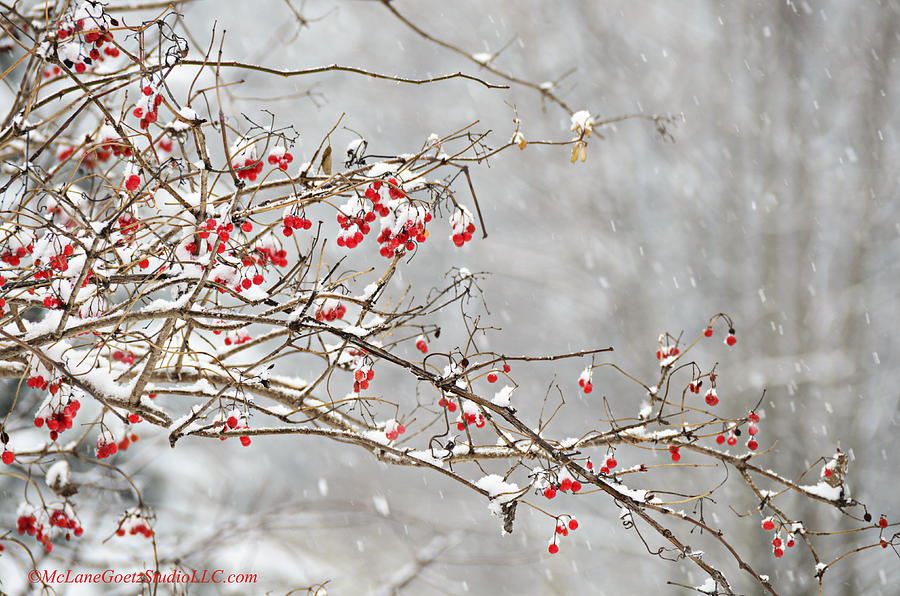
(584, 380)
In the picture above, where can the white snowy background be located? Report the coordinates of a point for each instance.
(776, 203)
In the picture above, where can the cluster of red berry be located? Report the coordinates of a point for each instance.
(132, 182)
(467, 418)
(134, 524)
(246, 164)
(59, 418)
(14, 257)
(127, 440)
(403, 221)
(81, 57)
(295, 222)
(584, 380)
(354, 229)
(237, 337)
(126, 357)
(667, 352)
(566, 484)
(361, 378)
(768, 524)
(27, 524)
(129, 226)
(279, 156)
(393, 429)
(58, 262)
(59, 519)
(462, 226)
(106, 448)
(562, 529)
(447, 403)
(147, 108)
(421, 344)
(266, 254)
(236, 421)
(329, 311)
(608, 464)
(730, 339)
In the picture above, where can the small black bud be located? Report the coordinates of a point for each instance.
(464, 362)
(4, 438)
(867, 517)
(737, 432)
(68, 63)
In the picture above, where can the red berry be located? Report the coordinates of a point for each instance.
(720, 439)
(553, 549)
(778, 553)
(232, 422)
(768, 525)
(573, 525)
(732, 440)
(588, 387)
(8, 457)
(708, 332)
(566, 484)
(550, 492)
(882, 522)
(247, 227)
(245, 441)
(752, 445)
(731, 340)
(576, 486)
(134, 418)
(506, 368)
(492, 378)
(753, 417)
(144, 263)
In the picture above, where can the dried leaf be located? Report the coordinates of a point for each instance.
(326, 161)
